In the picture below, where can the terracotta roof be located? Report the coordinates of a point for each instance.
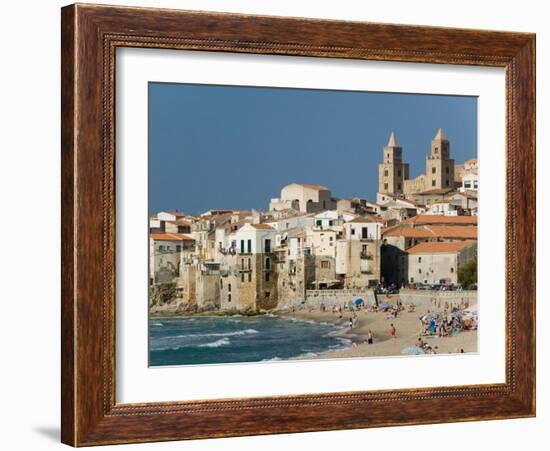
(170, 237)
(434, 231)
(365, 219)
(437, 219)
(262, 226)
(315, 187)
(440, 247)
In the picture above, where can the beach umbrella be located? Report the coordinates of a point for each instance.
(358, 301)
(413, 350)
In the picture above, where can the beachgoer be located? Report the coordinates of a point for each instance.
(392, 332)
(370, 337)
(350, 323)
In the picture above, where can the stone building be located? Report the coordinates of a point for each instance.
(165, 252)
(440, 168)
(392, 172)
(304, 198)
(440, 262)
(397, 241)
(358, 253)
(248, 277)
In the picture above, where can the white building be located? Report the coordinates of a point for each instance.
(255, 239)
(292, 222)
(331, 218)
(470, 182)
(364, 228)
(444, 208)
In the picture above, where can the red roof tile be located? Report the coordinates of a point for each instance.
(440, 247)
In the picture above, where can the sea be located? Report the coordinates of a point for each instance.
(230, 339)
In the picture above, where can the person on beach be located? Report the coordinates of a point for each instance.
(392, 332)
(350, 323)
(370, 337)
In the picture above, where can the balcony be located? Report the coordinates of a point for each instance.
(366, 256)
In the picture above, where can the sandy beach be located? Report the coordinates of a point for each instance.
(407, 325)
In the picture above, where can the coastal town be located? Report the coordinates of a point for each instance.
(310, 249)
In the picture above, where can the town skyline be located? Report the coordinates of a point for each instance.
(416, 120)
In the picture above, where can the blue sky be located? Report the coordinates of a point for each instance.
(231, 147)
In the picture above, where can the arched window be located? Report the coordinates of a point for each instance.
(229, 287)
(228, 298)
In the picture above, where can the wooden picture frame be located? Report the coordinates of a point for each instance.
(90, 36)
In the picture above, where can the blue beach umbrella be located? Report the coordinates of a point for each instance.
(413, 350)
(358, 301)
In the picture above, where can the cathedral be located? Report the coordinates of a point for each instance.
(393, 173)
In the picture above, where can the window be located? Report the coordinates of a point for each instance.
(419, 271)
(331, 238)
(325, 264)
(447, 182)
(228, 298)
(419, 259)
(267, 246)
(221, 283)
(267, 263)
(229, 287)
(452, 270)
(242, 246)
(388, 156)
(267, 277)
(446, 170)
(161, 248)
(330, 222)
(249, 246)
(318, 223)
(399, 172)
(385, 173)
(242, 264)
(433, 170)
(410, 243)
(412, 279)
(242, 277)
(433, 182)
(399, 186)
(250, 277)
(385, 187)
(436, 149)
(178, 248)
(249, 264)
(352, 231)
(467, 185)
(267, 294)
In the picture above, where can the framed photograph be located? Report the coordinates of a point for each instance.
(278, 225)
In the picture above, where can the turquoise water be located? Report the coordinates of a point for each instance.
(207, 340)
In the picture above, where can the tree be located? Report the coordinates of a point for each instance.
(467, 275)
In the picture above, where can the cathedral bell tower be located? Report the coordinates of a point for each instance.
(440, 168)
(392, 171)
